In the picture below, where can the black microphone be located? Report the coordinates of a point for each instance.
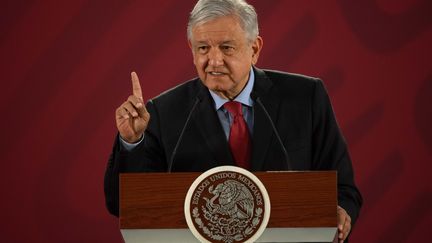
(171, 161)
(256, 98)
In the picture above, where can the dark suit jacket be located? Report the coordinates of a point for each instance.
(299, 107)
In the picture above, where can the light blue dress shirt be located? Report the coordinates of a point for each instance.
(247, 106)
(224, 116)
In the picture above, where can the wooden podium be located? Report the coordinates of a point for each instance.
(303, 206)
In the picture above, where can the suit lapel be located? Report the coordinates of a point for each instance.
(208, 123)
(262, 131)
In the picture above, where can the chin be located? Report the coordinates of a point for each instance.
(219, 86)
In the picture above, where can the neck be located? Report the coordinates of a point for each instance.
(231, 94)
(227, 95)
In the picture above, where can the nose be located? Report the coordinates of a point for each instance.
(215, 57)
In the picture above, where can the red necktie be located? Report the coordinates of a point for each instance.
(239, 139)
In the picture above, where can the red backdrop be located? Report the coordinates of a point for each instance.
(65, 68)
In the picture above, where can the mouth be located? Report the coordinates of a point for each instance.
(216, 73)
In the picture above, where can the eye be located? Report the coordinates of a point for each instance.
(227, 48)
(203, 49)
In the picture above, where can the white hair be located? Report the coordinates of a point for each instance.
(207, 10)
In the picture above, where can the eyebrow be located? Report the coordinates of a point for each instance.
(228, 42)
(223, 43)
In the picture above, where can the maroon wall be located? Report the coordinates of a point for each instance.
(65, 68)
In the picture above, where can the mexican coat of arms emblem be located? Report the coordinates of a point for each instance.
(227, 204)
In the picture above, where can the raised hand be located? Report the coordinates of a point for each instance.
(132, 117)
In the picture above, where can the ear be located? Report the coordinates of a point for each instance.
(256, 48)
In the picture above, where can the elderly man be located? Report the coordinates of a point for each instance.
(226, 115)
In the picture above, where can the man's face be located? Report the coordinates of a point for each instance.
(223, 56)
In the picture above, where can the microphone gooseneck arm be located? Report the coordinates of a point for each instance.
(287, 159)
(171, 161)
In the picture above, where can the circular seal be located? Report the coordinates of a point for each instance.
(227, 204)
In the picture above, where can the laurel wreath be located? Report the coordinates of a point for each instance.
(228, 239)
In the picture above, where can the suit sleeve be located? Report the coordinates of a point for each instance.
(330, 151)
(148, 156)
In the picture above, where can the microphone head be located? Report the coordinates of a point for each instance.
(198, 96)
(254, 95)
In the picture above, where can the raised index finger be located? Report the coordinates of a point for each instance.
(136, 87)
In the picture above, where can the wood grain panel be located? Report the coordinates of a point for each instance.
(298, 199)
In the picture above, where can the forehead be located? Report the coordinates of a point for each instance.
(224, 29)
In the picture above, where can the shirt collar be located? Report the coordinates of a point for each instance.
(244, 96)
